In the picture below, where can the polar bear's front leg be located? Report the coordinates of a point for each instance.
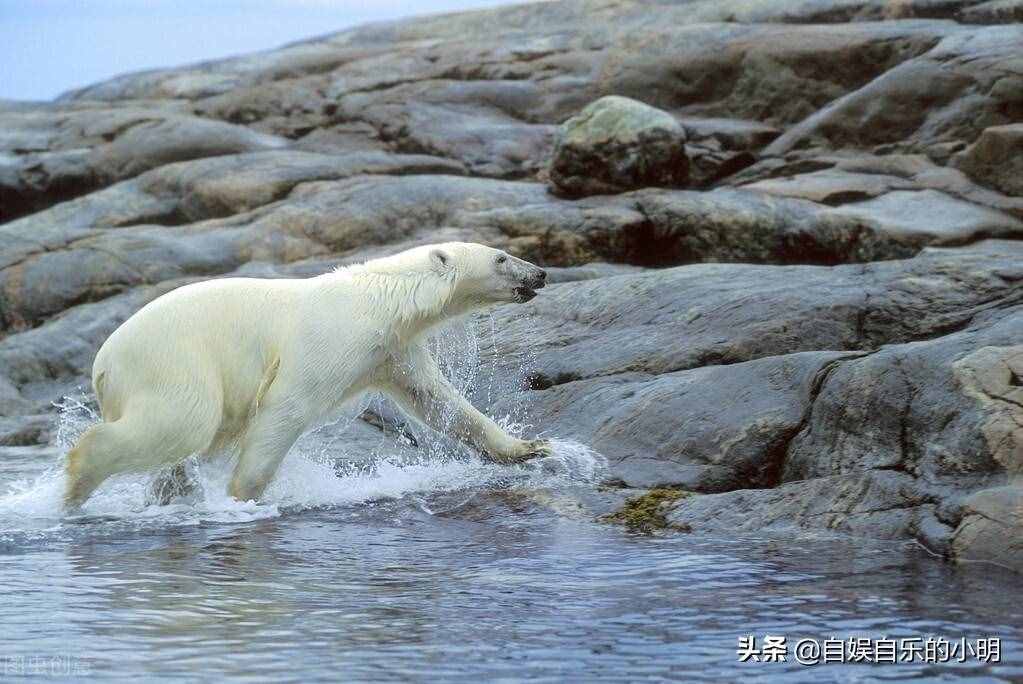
(417, 384)
(273, 430)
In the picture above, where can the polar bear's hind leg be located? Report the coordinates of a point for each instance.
(149, 435)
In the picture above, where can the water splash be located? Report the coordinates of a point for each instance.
(572, 463)
(304, 482)
(77, 412)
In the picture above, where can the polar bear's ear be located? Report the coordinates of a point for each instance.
(440, 259)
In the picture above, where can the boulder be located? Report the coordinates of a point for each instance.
(617, 144)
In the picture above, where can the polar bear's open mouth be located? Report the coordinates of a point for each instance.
(524, 294)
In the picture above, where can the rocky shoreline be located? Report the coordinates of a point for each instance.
(788, 252)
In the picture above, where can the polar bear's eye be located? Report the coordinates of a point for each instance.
(501, 259)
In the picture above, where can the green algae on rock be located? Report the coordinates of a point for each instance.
(646, 513)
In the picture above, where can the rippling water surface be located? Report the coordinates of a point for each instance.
(433, 567)
(450, 570)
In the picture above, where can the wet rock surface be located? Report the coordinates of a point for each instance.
(816, 326)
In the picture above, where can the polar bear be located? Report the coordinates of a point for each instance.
(257, 362)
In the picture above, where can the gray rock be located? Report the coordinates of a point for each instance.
(149, 144)
(480, 123)
(704, 376)
(708, 429)
(290, 206)
(991, 526)
(842, 178)
(719, 148)
(936, 408)
(995, 159)
(26, 430)
(963, 85)
(59, 154)
(11, 400)
(730, 134)
(86, 232)
(588, 272)
(617, 144)
(992, 12)
(878, 504)
(832, 186)
(491, 101)
(933, 217)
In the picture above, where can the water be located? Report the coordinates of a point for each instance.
(390, 562)
(453, 571)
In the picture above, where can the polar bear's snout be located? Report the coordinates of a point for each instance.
(538, 280)
(530, 279)
(530, 285)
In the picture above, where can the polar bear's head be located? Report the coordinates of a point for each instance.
(482, 275)
(456, 277)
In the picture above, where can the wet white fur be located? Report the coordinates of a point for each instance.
(259, 362)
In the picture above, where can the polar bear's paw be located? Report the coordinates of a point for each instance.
(525, 451)
(539, 448)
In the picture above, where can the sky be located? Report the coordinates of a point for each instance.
(50, 46)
